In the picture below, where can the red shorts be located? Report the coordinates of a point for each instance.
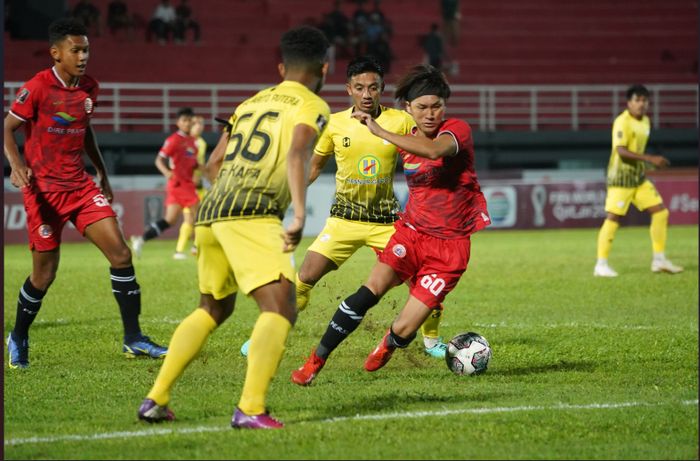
(48, 212)
(432, 266)
(184, 195)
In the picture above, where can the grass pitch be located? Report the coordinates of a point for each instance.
(583, 368)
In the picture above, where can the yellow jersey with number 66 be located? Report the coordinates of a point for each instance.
(364, 180)
(252, 180)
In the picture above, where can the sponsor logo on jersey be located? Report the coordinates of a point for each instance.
(63, 118)
(89, 106)
(399, 250)
(410, 168)
(368, 166)
(45, 231)
(22, 96)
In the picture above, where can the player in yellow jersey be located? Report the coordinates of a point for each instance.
(627, 184)
(200, 182)
(239, 225)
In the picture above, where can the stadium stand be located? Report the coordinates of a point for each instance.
(505, 42)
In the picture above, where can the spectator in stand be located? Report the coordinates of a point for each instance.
(433, 46)
(184, 21)
(87, 13)
(386, 24)
(162, 22)
(118, 18)
(381, 50)
(336, 26)
(450, 20)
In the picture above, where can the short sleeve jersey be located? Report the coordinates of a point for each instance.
(181, 152)
(252, 180)
(445, 199)
(364, 179)
(56, 119)
(633, 135)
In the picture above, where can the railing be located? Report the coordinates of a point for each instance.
(138, 107)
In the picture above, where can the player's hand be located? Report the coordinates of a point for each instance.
(659, 161)
(292, 235)
(106, 189)
(21, 176)
(367, 119)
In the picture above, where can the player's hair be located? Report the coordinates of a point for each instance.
(638, 89)
(185, 112)
(362, 64)
(422, 80)
(61, 28)
(305, 47)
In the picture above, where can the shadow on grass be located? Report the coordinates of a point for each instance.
(563, 366)
(396, 401)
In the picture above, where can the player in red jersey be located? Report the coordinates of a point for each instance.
(431, 246)
(177, 161)
(55, 108)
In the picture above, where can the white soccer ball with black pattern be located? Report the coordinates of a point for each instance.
(468, 354)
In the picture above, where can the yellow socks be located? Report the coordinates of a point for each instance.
(431, 326)
(606, 235)
(187, 341)
(184, 237)
(658, 229)
(266, 349)
(303, 293)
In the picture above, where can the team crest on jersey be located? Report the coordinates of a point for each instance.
(45, 231)
(321, 122)
(89, 106)
(619, 134)
(399, 250)
(368, 166)
(22, 96)
(346, 142)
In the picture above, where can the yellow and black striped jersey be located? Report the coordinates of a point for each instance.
(201, 159)
(252, 180)
(633, 135)
(364, 187)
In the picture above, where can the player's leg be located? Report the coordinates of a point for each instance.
(154, 229)
(338, 240)
(217, 288)
(379, 236)
(267, 345)
(246, 243)
(106, 235)
(648, 199)
(617, 203)
(186, 230)
(44, 268)
(400, 334)
(441, 265)
(346, 319)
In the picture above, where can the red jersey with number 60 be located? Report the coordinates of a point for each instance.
(56, 119)
(444, 196)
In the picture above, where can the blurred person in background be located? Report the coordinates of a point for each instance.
(627, 184)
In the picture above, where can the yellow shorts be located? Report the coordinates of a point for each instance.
(341, 238)
(642, 197)
(241, 254)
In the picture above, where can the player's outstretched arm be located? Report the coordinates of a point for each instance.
(441, 146)
(93, 152)
(300, 150)
(317, 164)
(20, 175)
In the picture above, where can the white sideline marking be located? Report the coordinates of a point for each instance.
(410, 414)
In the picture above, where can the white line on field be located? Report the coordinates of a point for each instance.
(410, 414)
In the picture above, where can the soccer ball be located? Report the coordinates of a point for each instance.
(468, 354)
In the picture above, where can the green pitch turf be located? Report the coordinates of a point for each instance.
(582, 368)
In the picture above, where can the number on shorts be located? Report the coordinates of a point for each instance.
(433, 284)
